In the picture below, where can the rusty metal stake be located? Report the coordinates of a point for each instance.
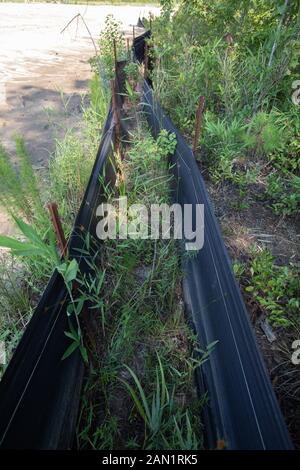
(116, 117)
(61, 239)
(146, 62)
(128, 51)
(115, 58)
(198, 124)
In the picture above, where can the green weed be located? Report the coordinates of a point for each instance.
(275, 288)
(142, 278)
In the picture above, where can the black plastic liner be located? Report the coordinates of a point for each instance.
(40, 392)
(140, 23)
(139, 46)
(243, 410)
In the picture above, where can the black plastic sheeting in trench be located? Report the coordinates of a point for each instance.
(39, 393)
(243, 410)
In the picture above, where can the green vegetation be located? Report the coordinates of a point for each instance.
(139, 351)
(243, 57)
(275, 288)
(25, 271)
(19, 188)
(139, 392)
(90, 2)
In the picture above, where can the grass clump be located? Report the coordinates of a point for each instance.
(20, 192)
(276, 288)
(69, 172)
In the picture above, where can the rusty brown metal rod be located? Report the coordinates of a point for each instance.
(115, 58)
(146, 62)
(116, 117)
(198, 124)
(128, 50)
(55, 218)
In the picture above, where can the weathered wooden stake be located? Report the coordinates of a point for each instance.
(61, 239)
(198, 124)
(133, 32)
(146, 62)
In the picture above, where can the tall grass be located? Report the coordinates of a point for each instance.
(24, 193)
(20, 191)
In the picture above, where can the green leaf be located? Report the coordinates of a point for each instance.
(137, 402)
(71, 336)
(79, 305)
(100, 283)
(72, 330)
(70, 309)
(73, 346)
(37, 247)
(29, 232)
(62, 268)
(14, 244)
(84, 354)
(68, 270)
(71, 272)
(249, 289)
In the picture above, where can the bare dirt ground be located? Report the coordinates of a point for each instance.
(44, 73)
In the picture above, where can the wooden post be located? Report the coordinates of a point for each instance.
(61, 240)
(146, 62)
(198, 124)
(133, 32)
(116, 117)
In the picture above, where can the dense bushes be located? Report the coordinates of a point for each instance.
(243, 57)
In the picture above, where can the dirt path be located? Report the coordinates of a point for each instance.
(44, 73)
